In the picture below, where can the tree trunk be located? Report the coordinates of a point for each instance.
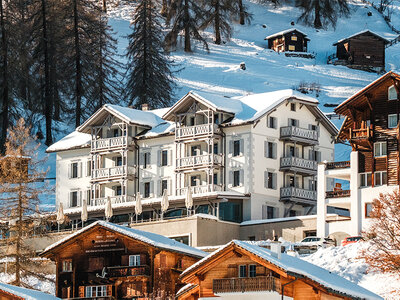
(164, 8)
(47, 97)
(317, 20)
(5, 96)
(187, 27)
(241, 12)
(78, 67)
(104, 5)
(217, 25)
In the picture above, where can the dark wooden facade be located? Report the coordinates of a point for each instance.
(364, 50)
(367, 114)
(288, 40)
(95, 264)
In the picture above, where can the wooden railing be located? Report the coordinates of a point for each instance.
(254, 284)
(299, 163)
(195, 131)
(114, 172)
(338, 194)
(111, 143)
(200, 189)
(143, 270)
(199, 161)
(299, 133)
(338, 165)
(294, 192)
(359, 134)
(114, 200)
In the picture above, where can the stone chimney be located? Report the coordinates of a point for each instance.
(145, 107)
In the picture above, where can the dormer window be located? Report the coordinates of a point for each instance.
(392, 93)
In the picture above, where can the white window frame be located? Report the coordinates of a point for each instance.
(65, 263)
(379, 175)
(272, 122)
(392, 95)
(397, 120)
(96, 291)
(364, 177)
(134, 260)
(382, 149)
(72, 169)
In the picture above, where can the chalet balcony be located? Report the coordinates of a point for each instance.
(124, 271)
(118, 172)
(299, 135)
(114, 200)
(337, 194)
(200, 189)
(299, 165)
(199, 161)
(189, 132)
(361, 134)
(298, 195)
(241, 285)
(338, 165)
(111, 143)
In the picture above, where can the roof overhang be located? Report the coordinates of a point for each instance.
(362, 33)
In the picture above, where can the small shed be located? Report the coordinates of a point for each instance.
(364, 50)
(292, 40)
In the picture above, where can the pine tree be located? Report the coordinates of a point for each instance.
(20, 171)
(321, 13)
(5, 94)
(149, 75)
(185, 15)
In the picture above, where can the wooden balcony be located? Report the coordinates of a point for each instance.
(199, 161)
(124, 271)
(299, 165)
(241, 285)
(298, 195)
(114, 200)
(197, 131)
(360, 134)
(118, 172)
(109, 144)
(338, 165)
(338, 194)
(300, 135)
(200, 189)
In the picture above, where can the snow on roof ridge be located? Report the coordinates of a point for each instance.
(74, 140)
(154, 239)
(134, 115)
(283, 32)
(362, 32)
(27, 294)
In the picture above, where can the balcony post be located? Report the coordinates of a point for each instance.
(322, 227)
(355, 204)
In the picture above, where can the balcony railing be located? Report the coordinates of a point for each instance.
(124, 271)
(294, 193)
(338, 194)
(111, 143)
(360, 134)
(112, 173)
(299, 164)
(307, 136)
(200, 189)
(114, 200)
(195, 131)
(338, 165)
(240, 285)
(199, 161)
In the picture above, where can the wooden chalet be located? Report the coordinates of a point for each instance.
(240, 270)
(371, 127)
(292, 40)
(364, 50)
(108, 261)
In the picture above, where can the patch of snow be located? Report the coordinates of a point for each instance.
(284, 32)
(45, 289)
(74, 140)
(360, 33)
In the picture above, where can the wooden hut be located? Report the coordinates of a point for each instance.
(109, 261)
(290, 40)
(364, 50)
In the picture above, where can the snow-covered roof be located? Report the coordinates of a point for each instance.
(298, 268)
(153, 239)
(360, 33)
(74, 140)
(284, 32)
(136, 116)
(25, 293)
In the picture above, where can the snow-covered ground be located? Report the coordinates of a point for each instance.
(44, 286)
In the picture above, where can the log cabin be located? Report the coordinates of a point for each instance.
(108, 261)
(292, 40)
(364, 50)
(241, 270)
(12, 292)
(371, 128)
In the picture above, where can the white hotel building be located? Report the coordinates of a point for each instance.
(247, 158)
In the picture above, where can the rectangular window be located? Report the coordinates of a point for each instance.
(164, 186)
(215, 148)
(134, 260)
(270, 150)
(292, 213)
(147, 161)
(116, 133)
(252, 270)
(67, 265)
(146, 189)
(368, 210)
(195, 150)
(292, 48)
(294, 37)
(191, 122)
(293, 122)
(74, 170)
(118, 161)
(194, 180)
(236, 148)
(215, 178)
(392, 121)
(291, 151)
(380, 149)
(164, 158)
(272, 123)
(365, 179)
(242, 271)
(392, 93)
(293, 106)
(270, 180)
(118, 190)
(74, 199)
(236, 178)
(96, 291)
(380, 178)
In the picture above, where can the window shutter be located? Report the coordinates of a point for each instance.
(274, 177)
(230, 149)
(241, 147)
(141, 159)
(159, 158)
(80, 169)
(266, 179)
(297, 151)
(310, 154)
(70, 199)
(318, 154)
(266, 149)
(141, 189)
(159, 187)
(241, 175)
(151, 188)
(274, 150)
(230, 179)
(264, 211)
(289, 122)
(69, 170)
(80, 199)
(276, 212)
(169, 162)
(149, 159)
(169, 185)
